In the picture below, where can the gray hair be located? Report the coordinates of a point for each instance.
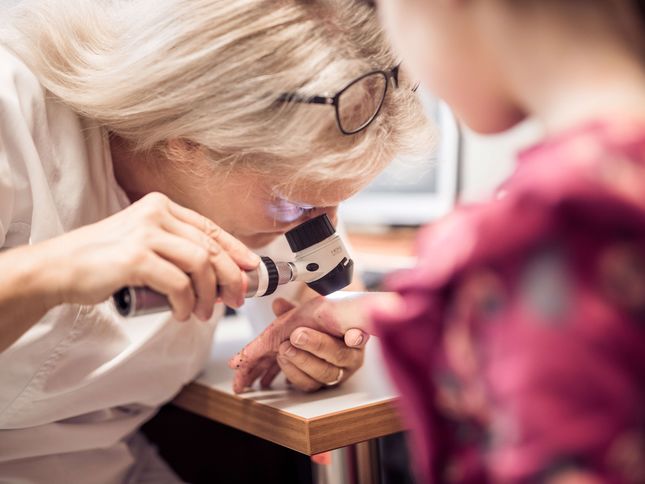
(210, 72)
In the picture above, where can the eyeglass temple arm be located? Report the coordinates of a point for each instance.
(296, 98)
(394, 76)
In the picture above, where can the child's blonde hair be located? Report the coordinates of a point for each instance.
(210, 72)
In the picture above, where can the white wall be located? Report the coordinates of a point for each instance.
(488, 160)
(7, 3)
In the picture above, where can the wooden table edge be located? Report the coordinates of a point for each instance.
(358, 424)
(308, 436)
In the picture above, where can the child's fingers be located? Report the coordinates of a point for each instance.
(280, 306)
(269, 376)
(245, 377)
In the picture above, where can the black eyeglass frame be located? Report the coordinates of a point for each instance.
(392, 74)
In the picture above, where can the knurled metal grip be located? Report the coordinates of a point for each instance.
(272, 271)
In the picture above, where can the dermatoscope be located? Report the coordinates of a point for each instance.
(321, 261)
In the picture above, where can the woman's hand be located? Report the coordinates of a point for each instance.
(311, 359)
(335, 340)
(156, 243)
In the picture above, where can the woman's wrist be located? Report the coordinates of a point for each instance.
(41, 275)
(27, 290)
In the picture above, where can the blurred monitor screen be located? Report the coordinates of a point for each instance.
(413, 191)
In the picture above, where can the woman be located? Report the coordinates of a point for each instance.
(149, 143)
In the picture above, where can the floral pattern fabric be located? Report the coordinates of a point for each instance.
(520, 355)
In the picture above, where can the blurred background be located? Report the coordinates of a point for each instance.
(383, 220)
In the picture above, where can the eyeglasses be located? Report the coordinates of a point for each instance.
(359, 102)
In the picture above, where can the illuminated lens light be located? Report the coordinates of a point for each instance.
(284, 211)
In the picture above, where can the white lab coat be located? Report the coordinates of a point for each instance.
(76, 387)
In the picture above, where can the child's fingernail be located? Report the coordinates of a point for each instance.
(358, 340)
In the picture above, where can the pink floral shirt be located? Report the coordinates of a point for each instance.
(520, 356)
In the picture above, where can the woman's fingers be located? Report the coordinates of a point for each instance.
(297, 377)
(201, 255)
(193, 260)
(229, 277)
(241, 254)
(316, 368)
(228, 273)
(164, 277)
(328, 348)
(228, 256)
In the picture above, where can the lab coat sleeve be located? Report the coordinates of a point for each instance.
(10, 119)
(6, 194)
(21, 109)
